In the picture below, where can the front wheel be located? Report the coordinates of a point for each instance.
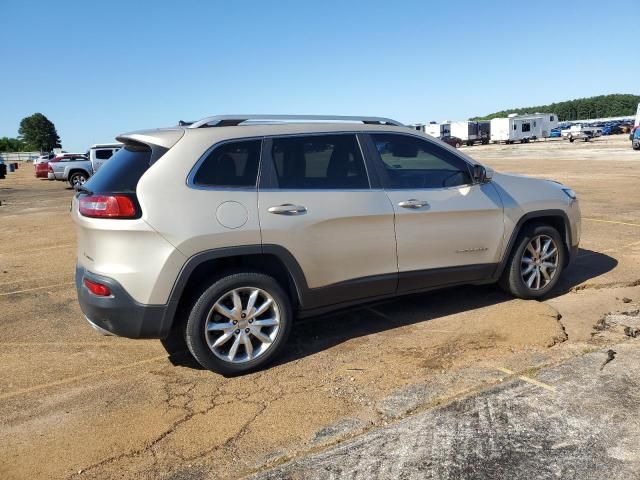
(535, 264)
(239, 324)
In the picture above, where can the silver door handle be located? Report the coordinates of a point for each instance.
(288, 209)
(413, 203)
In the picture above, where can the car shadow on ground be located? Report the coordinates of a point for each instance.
(315, 334)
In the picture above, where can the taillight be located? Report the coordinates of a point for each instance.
(50, 167)
(97, 288)
(107, 206)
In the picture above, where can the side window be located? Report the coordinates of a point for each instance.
(411, 162)
(526, 127)
(319, 162)
(104, 154)
(233, 164)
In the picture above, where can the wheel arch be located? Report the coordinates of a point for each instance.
(75, 170)
(272, 260)
(557, 219)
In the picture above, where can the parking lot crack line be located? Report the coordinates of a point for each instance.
(530, 380)
(36, 288)
(65, 381)
(611, 221)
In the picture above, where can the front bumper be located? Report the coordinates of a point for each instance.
(119, 314)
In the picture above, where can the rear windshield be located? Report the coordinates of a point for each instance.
(120, 174)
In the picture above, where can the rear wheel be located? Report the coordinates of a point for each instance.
(239, 324)
(535, 264)
(78, 178)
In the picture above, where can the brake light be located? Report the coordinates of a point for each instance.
(49, 167)
(97, 288)
(107, 206)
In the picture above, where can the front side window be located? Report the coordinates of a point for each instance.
(319, 162)
(411, 162)
(233, 164)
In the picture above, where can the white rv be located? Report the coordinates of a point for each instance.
(522, 128)
(438, 130)
(471, 132)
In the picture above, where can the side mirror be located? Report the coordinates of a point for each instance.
(481, 174)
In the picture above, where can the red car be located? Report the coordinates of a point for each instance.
(42, 169)
(453, 141)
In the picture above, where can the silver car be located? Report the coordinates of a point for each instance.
(224, 230)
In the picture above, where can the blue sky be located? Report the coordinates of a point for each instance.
(97, 69)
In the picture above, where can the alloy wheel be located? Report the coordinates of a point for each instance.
(242, 325)
(78, 180)
(539, 262)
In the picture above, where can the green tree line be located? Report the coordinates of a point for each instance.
(36, 133)
(616, 105)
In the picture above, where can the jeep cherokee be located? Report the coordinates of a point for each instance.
(226, 229)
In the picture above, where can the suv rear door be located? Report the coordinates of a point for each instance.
(315, 199)
(448, 229)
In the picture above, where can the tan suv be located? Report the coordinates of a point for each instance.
(226, 229)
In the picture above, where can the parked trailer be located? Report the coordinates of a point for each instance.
(436, 130)
(471, 132)
(522, 128)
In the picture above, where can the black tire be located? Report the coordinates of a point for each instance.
(511, 280)
(571, 139)
(458, 144)
(195, 327)
(77, 177)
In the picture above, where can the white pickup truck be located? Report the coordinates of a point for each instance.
(578, 131)
(76, 168)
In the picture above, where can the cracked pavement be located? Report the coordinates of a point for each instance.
(74, 404)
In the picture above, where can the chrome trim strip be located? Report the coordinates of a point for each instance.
(192, 173)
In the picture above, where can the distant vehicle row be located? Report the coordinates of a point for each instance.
(75, 168)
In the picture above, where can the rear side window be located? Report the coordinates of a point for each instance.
(319, 162)
(122, 172)
(104, 154)
(233, 164)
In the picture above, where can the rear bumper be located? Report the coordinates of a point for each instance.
(119, 314)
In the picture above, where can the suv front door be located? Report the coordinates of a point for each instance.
(448, 228)
(315, 199)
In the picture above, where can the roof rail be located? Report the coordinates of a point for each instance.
(233, 120)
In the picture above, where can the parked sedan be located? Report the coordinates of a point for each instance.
(453, 141)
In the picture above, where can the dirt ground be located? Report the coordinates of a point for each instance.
(74, 404)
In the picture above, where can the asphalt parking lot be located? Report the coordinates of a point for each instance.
(74, 404)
